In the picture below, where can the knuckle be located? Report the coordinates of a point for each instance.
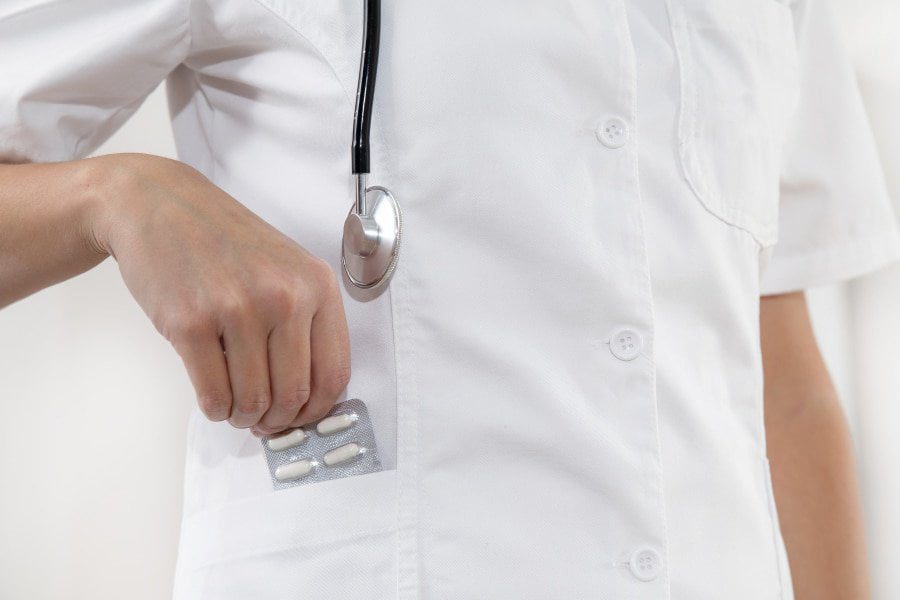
(253, 403)
(291, 402)
(281, 298)
(186, 326)
(323, 275)
(232, 310)
(216, 405)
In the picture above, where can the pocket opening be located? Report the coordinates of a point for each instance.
(297, 517)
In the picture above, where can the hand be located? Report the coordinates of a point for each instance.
(258, 321)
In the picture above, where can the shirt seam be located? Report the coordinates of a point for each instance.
(774, 523)
(312, 45)
(376, 129)
(848, 260)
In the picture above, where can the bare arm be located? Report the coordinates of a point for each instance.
(812, 461)
(258, 320)
(45, 234)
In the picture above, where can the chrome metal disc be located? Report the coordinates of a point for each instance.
(376, 268)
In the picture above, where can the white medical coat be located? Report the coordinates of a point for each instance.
(565, 373)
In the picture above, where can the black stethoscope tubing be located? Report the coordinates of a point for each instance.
(365, 89)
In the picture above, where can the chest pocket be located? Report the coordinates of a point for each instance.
(739, 86)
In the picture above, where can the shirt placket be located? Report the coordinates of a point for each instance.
(638, 568)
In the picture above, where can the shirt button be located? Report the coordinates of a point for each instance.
(646, 564)
(613, 133)
(625, 344)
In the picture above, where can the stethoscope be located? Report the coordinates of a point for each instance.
(371, 242)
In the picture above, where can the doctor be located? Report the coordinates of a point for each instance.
(610, 211)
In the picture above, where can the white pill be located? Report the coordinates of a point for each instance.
(336, 423)
(294, 470)
(342, 454)
(288, 440)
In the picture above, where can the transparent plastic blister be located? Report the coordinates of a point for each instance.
(341, 444)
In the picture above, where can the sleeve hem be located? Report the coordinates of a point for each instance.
(829, 265)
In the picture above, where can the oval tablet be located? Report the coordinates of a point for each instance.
(342, 454)
(336, 423)
(288, 440)
(294, 470)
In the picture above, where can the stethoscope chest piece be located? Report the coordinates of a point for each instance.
(372, 229)
(371, 242)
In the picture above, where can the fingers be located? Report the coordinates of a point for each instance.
(248, 371)
(286, 357)
(289, 374)
(205, 363)
(330, 358)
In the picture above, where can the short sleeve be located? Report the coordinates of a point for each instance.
(835, 215)
(71, 73)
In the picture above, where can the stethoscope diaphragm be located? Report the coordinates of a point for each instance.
(371, 243)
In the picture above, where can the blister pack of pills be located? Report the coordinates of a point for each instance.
(340, 444)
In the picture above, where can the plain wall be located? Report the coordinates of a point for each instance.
(95, 402)
(873, 351)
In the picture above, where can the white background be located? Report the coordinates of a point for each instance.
(94, 402)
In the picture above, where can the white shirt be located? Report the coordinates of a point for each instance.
(565, 373)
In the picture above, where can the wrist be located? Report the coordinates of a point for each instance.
(101, 185)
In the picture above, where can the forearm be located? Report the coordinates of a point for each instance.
(257, 319)
(811, 455)
(46, 213)
(815, 489)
